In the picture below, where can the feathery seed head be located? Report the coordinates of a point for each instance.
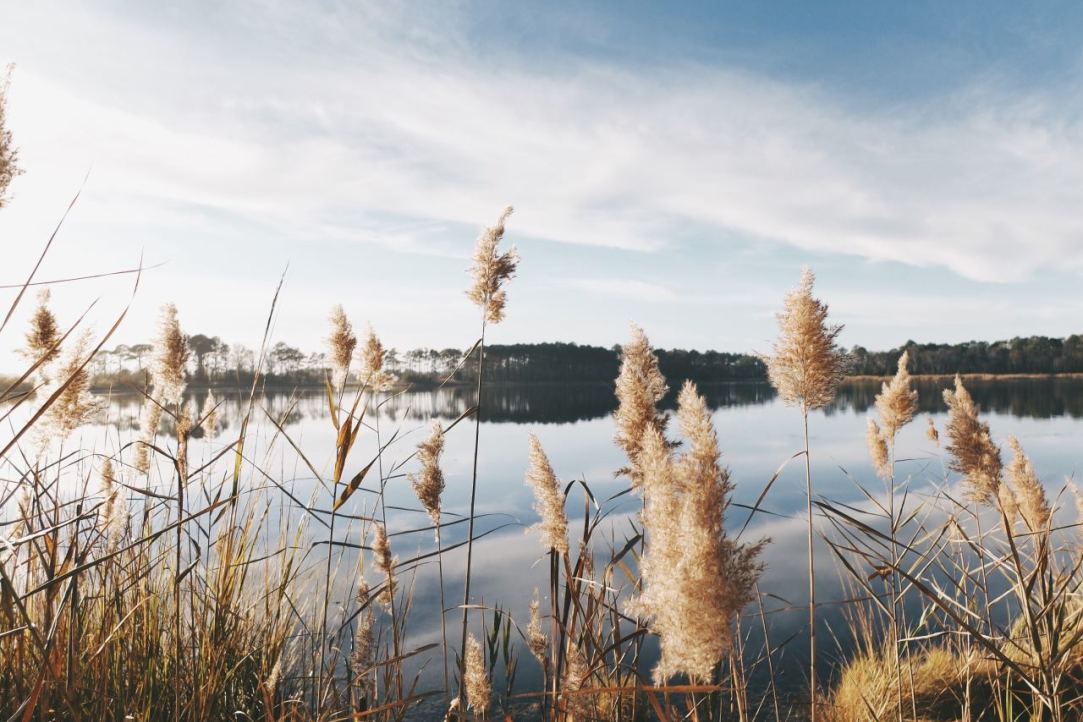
(44, 334)
(639, 387)
(475, 680)
(152, 417)
(897, 402)
(372, 362)
(385, 563)
(361, 657)
(1033, 504)
(548, 499)
(75, 404)
(170, 357)
(878, 449)
(112, 518)
(9, 156)
(974, 455)
(341, 344)
(807, 365)
(535, 637)
(695, 578)
(429, 482)
(491, 269)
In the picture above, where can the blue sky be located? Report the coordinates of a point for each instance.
(671, 164)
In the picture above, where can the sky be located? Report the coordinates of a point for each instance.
(671, 164)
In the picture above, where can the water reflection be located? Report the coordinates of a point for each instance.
(1041, 398)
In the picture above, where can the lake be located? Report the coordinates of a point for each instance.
(757, 434)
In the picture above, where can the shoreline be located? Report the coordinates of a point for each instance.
(286, 386)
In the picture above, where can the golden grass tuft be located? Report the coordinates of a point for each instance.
(695, 578)
(548, 499)
(44, 334)
(429, 482)
(492, 270)
(874, 439)
(868, 687)
(475, 679)
(806, 364)
(973, 453)
(340, 344)
(897, 402)
(640, 386)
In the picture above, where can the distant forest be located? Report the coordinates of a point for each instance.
(214, 362)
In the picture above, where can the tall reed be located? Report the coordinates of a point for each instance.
(491, 270)
(806, 366)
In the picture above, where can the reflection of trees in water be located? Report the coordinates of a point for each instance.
(1041, 398)
(557, 404)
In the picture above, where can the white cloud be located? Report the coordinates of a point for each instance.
(621, 288)
(592, 155)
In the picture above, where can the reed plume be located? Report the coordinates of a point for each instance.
(429, 482)
(372, 363)
(1033, 504)
(874, 437)
(807, 365)
(897, 402)
(341, 344)
(385, 563)
(170, 357)
(536, 640)
(491, 270)
(695, 578)
(361, 657)
(639, 387)
(475, 680)
(43, 336)
(9, 155)
(112, 518)
(548, 499)
(75, 405)
(931, 433)
(167, 372)
(973, 453)
(152, 418)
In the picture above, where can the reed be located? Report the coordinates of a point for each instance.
(807, 366)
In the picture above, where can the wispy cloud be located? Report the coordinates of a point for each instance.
(596, 155)
(621, 288)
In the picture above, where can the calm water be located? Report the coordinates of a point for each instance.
(757, 433)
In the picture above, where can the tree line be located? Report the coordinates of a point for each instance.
(213, 361)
